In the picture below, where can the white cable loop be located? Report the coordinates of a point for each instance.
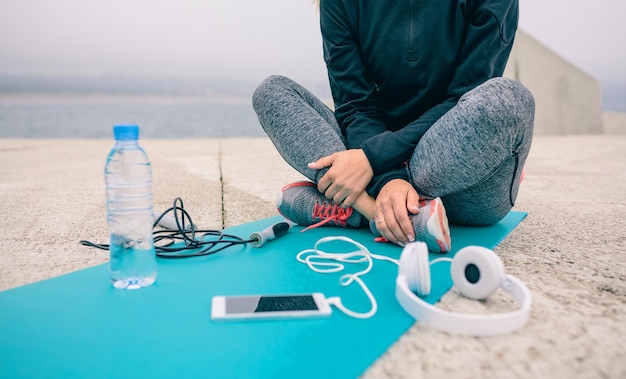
(317, 260)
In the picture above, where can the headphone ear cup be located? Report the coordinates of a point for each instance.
(415, 266)
(477, 272)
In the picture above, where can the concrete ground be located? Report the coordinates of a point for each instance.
(569, 250)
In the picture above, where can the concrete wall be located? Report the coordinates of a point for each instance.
(568, 101)
(614, 123)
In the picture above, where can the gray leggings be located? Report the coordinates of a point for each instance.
(472, 157)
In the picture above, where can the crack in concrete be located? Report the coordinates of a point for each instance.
(219, 165)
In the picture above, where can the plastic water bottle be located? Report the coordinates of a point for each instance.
(128, 178)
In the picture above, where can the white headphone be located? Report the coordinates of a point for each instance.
(476, 272)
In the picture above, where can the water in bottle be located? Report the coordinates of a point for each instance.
(128, 177)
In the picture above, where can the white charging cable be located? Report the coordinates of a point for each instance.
(328, 262)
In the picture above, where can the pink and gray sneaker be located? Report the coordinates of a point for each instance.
(302, 203)
(430, 225)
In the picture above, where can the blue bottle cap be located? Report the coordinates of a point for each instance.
(126, 132)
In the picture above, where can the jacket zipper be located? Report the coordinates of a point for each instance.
(411, 53)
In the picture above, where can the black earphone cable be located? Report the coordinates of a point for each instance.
(186, 241)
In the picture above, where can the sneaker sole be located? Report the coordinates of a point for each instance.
(437, 226)
(302, 183)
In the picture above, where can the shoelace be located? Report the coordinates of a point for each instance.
(329, 212)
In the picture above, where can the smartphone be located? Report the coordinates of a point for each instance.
(269, 306)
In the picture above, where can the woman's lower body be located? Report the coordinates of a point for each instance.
(472, 158)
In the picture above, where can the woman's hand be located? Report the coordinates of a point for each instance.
(348, 176)
(395, 202)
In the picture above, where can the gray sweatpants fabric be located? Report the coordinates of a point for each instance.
(472, 157)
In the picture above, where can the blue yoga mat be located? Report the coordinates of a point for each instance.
(78, 326)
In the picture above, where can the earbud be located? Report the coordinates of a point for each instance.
(414, 264)
(477, 272)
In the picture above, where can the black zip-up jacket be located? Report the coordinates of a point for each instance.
(396, 67)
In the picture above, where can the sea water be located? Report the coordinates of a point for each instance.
(41, 116)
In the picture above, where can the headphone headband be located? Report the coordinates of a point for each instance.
(467, 324)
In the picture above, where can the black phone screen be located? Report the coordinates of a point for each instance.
(258, 304)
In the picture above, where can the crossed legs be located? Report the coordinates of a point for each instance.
(472, 157)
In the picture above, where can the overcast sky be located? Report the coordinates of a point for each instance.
(251, 39)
